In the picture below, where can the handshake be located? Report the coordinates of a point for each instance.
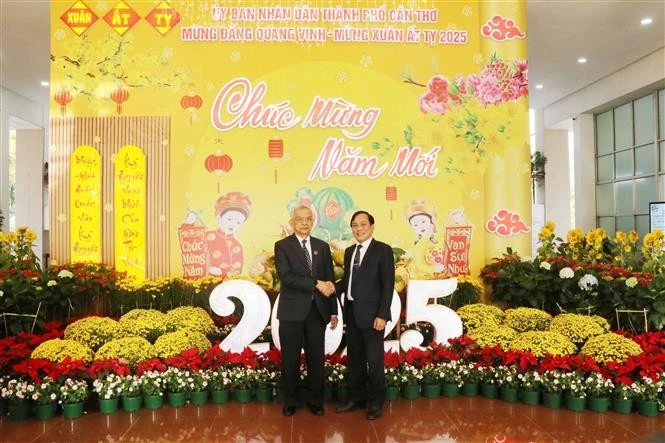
(326, 288)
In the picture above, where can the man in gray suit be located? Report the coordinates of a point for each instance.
(369, 281)
(305, 269)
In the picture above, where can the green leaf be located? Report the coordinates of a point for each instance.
(659, 306)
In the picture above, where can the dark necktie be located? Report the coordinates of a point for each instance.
(356, 258)
(308, 259)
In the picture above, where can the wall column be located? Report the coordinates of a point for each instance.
(557, 181)
(30, 183)
(585, 172)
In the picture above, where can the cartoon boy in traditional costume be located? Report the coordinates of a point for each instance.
(225, 252)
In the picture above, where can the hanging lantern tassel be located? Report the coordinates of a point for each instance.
(275, 151)
(391, 197)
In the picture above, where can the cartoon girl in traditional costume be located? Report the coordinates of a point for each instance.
(427, 250)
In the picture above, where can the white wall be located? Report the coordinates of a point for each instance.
(30, 183)
(576, 110)
(12, 104)
(585, 172)
(557, 186)
(647, 73)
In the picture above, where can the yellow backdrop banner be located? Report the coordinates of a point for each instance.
(416, 111)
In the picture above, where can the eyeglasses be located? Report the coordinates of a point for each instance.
(303, 219)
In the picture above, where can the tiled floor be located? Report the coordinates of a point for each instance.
(461, 419)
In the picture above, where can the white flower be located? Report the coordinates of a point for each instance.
(566, 273)
(65, 274)
(631, 282)
(2, 293)
(545, 265)
(51, 283)
(587, 282)
(366, 61)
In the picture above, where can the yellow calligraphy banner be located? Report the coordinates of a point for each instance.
(130, 207)
(85, 209)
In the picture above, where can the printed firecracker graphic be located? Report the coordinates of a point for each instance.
(193, 251)
(457, 248)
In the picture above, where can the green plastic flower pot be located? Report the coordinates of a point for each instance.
(108, 405)
(18, 411)
(264, 395)
(647, 408)
(342, 393)
(552, 400)
(470, 389)
(531, 397)
(508, 394)
(450, 390)
(392, 393)
(431, 391)
(489, 390)
(45, 412)
(131, 404)
(72, 410)
(411, 392)
(198, 397)
(622, 406)
(574, 403)
(598, 404)
(219, 396)
(153, 401)
(176, 399)
(242, 395)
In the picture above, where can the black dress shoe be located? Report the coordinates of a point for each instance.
(349, 406)
(315, 409)
(288, 411)
(373, 413)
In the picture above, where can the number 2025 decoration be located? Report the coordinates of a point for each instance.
(257, 312)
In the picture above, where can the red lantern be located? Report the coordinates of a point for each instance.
(275, 151)
(119, 95)
(391, 196)
(218, 164)
(63, 97)
(191, 103)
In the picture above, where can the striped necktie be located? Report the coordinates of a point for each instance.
(308, 259)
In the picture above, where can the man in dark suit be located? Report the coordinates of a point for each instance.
(369, 280)
(305, 269)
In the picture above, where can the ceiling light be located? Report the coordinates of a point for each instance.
(539, 86)
(581, 60)
(44, 83)
(646, 21)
